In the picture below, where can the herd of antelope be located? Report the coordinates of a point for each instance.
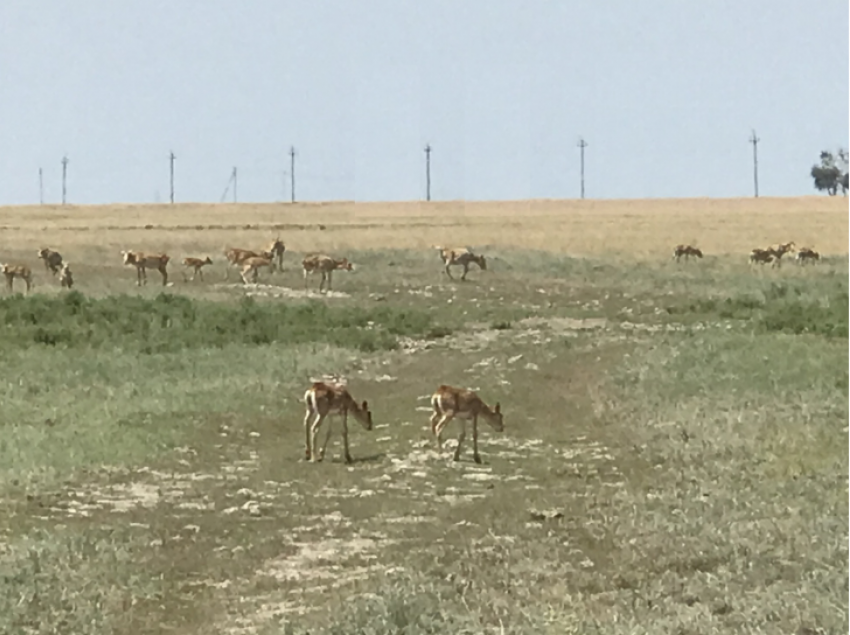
(250, 262)
(324, 399)
(772, 254)
(247, 261)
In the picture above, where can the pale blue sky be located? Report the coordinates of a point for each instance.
(665, 93)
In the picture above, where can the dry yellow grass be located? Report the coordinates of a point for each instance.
(636, 228)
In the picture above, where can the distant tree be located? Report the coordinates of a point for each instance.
(832, 172)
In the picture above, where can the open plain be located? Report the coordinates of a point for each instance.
(674, 458)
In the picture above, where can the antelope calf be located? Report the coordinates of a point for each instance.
(807, 254)
(449, 402)
(252, 266)
(66, 278)
(52, 259)
(142, 261)
(780, 250)
(235, 256)
(461, 257)
(326, 266)
(323, 400)
(761, 256)
(17, 271)
(197, 265)
(687, 251)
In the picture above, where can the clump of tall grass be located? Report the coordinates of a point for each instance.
(70, 582)
(781, 308)
(169, 323)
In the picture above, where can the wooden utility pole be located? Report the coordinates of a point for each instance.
(582, 144)
(64, 177)
(40, 187)
(292, 173)
(755, 141)
(428, 172)
(234, 184)
(171, 158)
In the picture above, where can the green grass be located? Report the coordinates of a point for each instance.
(169, 323)
(697, 473)
(118, 378)
(60, 581)
(781, 307)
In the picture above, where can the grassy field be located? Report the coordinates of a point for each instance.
(674, 457)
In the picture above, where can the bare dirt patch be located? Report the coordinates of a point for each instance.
(276, 291)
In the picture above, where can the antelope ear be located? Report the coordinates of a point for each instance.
(498, 408)
(365, 406)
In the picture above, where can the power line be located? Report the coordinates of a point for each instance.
(428, 172)
(232, 180)
(755, 141)
(171, 158)
(292, 173)
(64, 177)
(582, 144)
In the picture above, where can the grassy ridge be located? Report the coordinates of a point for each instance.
(169, 323)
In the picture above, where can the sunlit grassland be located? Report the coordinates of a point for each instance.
(633, 228)
(674, 458)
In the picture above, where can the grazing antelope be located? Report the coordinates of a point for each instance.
(322, 400)
(197, 265)
(142, 261)
(253, 264)
(806, 254)
(235, 256)
(783, 248)
(66, 278)
(326, 266)
(17, 271)
(449, 403)
(780, 250)
(687, 251)
(277, 249)
(462, 257)
(761, 256)
(52, 259)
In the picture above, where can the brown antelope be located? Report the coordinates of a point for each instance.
(277, 249)
(323, 400)
(142, 261)
(449, 402)
(252, 266)
(17, 271)
(235, 256)
(761, 256)
(52, 259)
(462, 257)
(806, 254)
(197, 265)
(780, 250)
(326, 266)
(687, 251)
(66, 278)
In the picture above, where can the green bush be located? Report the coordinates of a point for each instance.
(169, 323)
